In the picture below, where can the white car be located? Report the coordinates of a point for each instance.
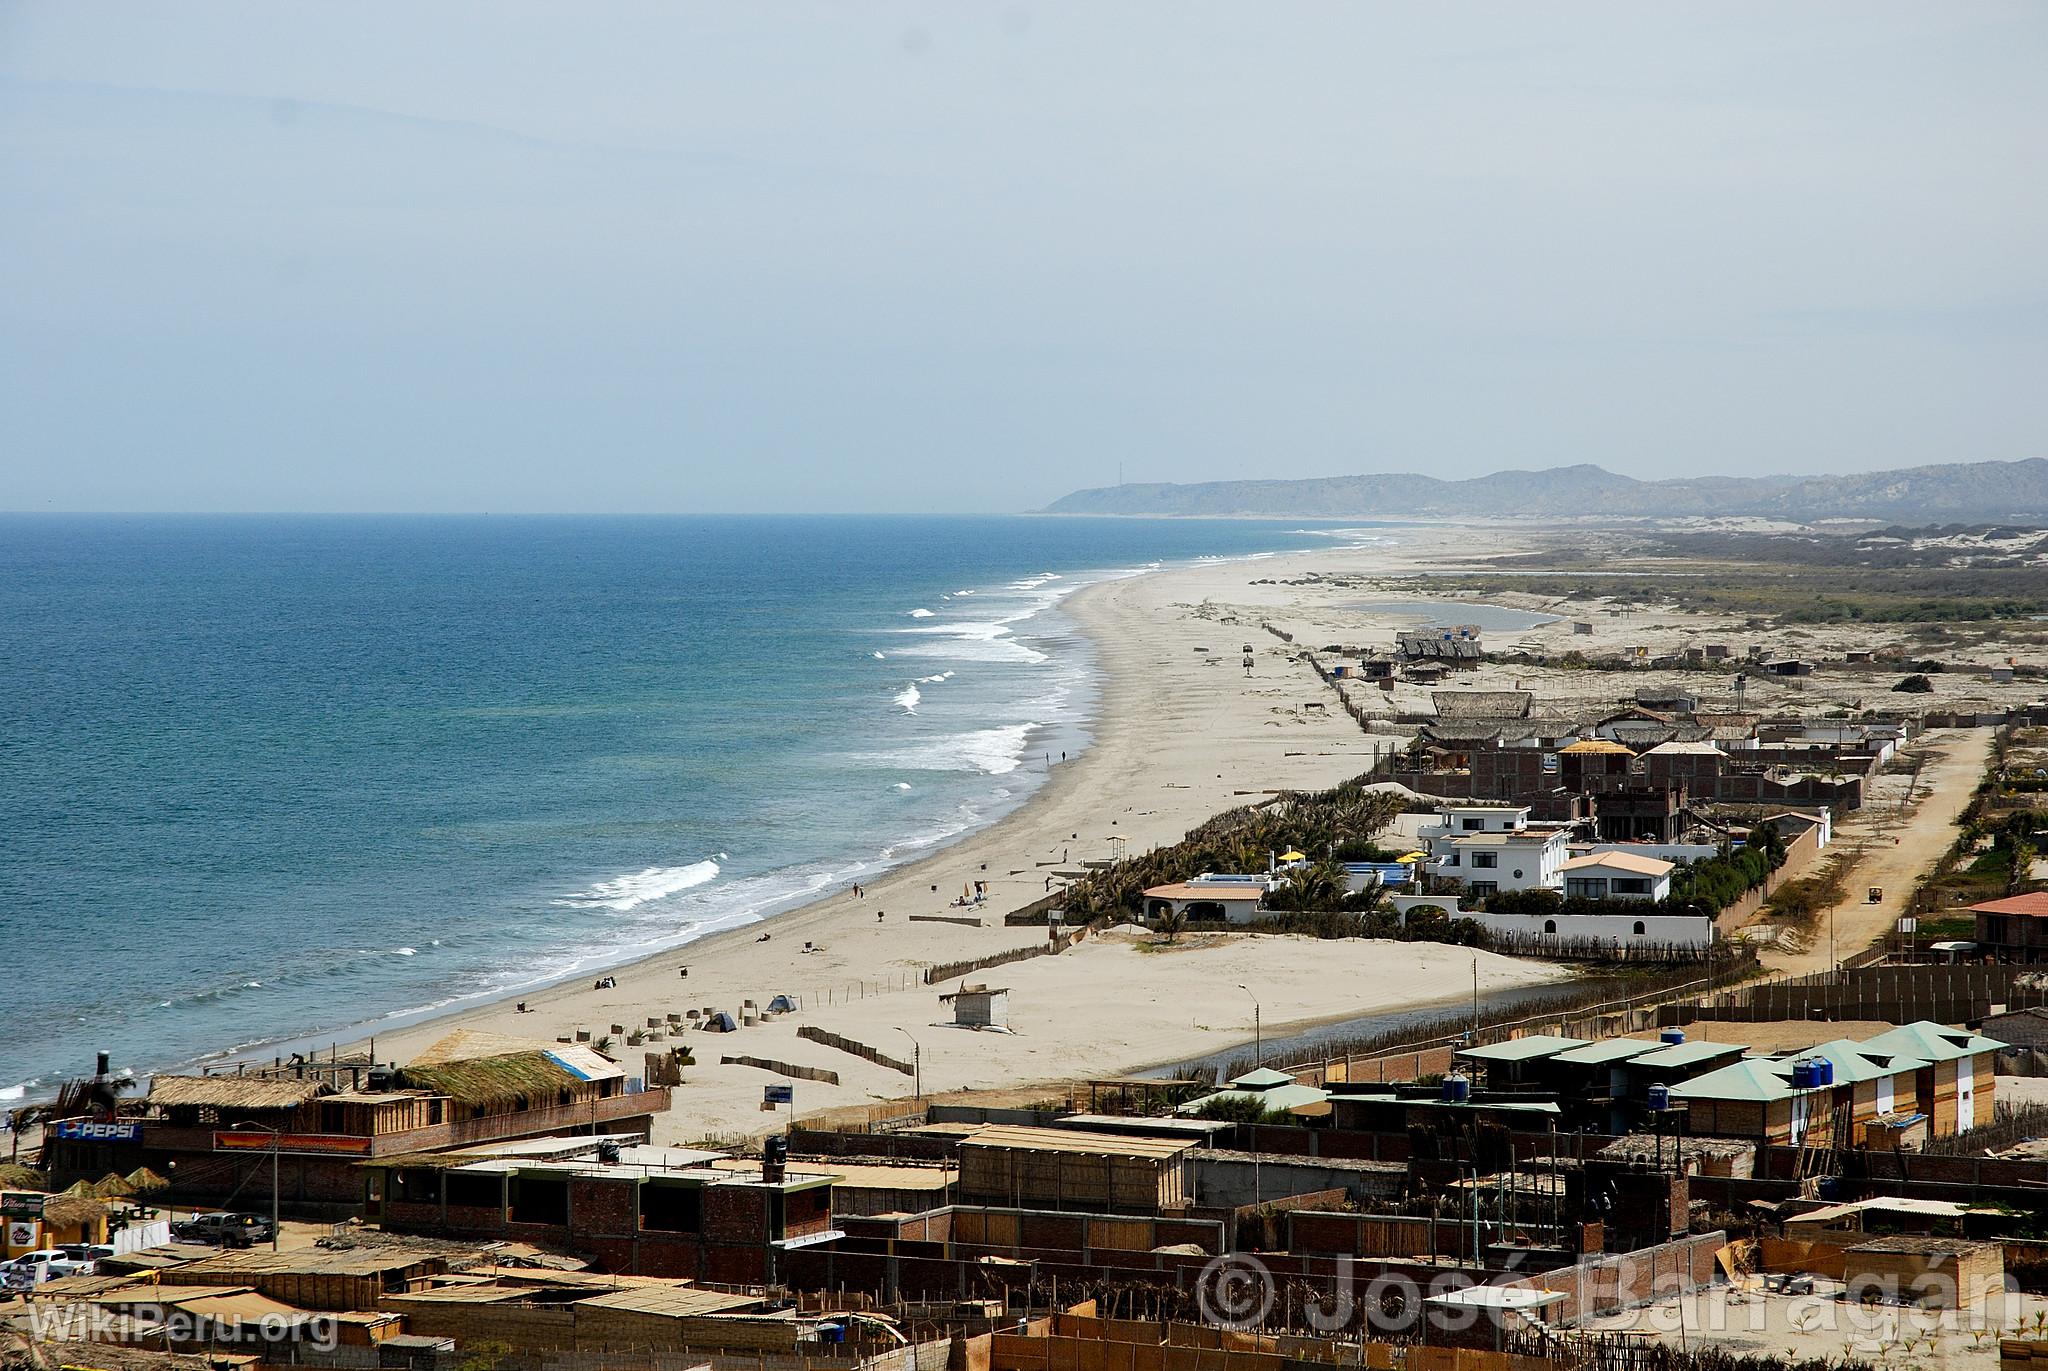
(30, 1268)
(78, 1259)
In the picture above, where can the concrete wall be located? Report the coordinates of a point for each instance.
(1669, 929)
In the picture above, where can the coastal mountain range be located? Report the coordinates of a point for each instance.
(2004, 491)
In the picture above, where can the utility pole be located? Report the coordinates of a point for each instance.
(277, 1148)
(916, 1063)
(1258, 1028)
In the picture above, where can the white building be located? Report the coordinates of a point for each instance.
(1456, 819)
(1233, 899)
(1617, 876)
(1490, 848)
(1490, 862)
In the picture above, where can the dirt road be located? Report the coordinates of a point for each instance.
(1895, 850)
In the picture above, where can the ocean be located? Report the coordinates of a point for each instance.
(270, 778)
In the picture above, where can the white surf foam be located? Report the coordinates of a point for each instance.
(990, 751)
(908, 698)
(972, 641)
(920, 614)
(656, 882)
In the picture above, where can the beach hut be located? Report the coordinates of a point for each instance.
(979, 1006)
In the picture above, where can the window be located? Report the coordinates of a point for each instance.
(1640, 928)
(472, 1191)
(1550, 925)
(670, 1208)
(1585, 888)
(1486, 861)
(1481, 889)
(540, 1199)
(1518, 873)
(1629, 885)
(1472, 825)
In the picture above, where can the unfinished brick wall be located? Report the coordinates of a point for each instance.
(1629, 1278)
(602, 1207)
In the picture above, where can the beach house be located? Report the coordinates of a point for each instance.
(1232, 899)
(216, 1136)
(1617, 876)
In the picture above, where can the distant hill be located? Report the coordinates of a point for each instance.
(2002, 491)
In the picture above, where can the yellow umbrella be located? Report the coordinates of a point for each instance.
(1410, 857)
(1293, 857)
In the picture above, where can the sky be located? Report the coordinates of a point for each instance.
(647, 257)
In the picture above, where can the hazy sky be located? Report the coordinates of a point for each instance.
(506, 256)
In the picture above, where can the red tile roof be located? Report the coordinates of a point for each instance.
(2033, 903)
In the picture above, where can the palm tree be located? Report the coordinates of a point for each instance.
(1172, 920)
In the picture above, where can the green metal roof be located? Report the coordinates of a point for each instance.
(1609, 1050)
(1685, 1054)
(1854, 1061)
(1522, 1049)
(1932, 1042)
(1752, 1078)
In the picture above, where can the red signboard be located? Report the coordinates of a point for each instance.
(320, 1144)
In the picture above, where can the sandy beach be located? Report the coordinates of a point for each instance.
(1179, 734)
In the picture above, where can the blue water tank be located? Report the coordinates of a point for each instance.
(1672, 1036)
(1825, 1070)
(1660, 1097)
(1804, 1077)
(1457, 1089)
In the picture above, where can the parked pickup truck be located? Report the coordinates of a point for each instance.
(224, 1230)
(79, 1259)
(30, 1268)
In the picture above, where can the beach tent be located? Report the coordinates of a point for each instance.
(782, 1004)
(719, 1022)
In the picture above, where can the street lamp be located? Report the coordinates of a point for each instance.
(276, 1147)
(916, 1063)
(1258, 1028)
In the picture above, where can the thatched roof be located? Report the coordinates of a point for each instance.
(494, 1082)
(112, 1186)
(1482, 704)
(70, 1209)
(142, 1180)
(467, 1044)
(232, 1092)
(17, 1177)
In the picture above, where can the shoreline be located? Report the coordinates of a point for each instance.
(1059, 778)
(1178, 734)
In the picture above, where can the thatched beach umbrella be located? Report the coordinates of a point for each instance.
(73, 1210)
(142, 1181)
(14, 1176)
(112, 1186)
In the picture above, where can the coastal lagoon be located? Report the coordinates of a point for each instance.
(266, 778)
(1449, 613)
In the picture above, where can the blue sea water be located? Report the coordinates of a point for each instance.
(262, 778)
